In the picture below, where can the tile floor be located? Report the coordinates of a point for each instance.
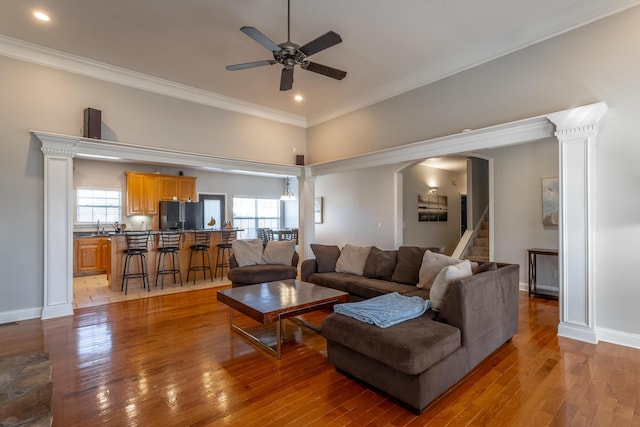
(90, 291)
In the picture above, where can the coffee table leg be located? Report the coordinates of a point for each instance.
(277, 353)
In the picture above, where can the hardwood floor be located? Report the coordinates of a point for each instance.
(172, 361)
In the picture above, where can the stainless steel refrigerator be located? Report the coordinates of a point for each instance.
(181, 215)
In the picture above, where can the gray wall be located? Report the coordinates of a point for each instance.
(443, 235)
(358, 208)
(40, 98)
(590, 64)
(518, 173)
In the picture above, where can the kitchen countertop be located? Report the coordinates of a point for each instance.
(86, 234)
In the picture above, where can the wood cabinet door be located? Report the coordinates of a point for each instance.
(151, 195)
(89, 257)
(187, 188)
(167, 187)
(135, 194)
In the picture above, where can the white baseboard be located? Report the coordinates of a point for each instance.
(577, 332)
(58, 310)
(18, 315)
(617, 337)
(524, 286)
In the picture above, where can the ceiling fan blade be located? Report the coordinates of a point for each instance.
(321, 43)
(246, 65)
(286, 79)
(334, 73)
(265, 41)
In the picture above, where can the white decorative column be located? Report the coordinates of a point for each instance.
(576, 131)
(58, 227)
(306, 213)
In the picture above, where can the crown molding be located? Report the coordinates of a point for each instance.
(29, 52)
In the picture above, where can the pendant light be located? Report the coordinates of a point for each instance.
(287, 194)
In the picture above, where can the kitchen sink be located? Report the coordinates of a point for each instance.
(88, 234)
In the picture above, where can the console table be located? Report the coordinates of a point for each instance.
(533, 265)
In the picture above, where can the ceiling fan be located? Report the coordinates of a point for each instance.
(290, 54)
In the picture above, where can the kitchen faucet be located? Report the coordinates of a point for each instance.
(98, 227)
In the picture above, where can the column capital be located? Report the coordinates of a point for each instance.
(578, 122)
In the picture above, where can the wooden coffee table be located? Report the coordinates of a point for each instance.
(273, 302)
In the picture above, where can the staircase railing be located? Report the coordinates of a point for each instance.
(463, 245)
(467, 239)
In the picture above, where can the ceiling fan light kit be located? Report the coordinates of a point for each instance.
(290, 54)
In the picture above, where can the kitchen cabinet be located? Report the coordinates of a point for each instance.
(181, 187)
(142, 193)
(90, 255)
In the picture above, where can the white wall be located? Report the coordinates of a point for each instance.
(590, 64)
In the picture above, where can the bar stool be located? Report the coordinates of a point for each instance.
(201, 244)
(228, 236)
(170, 245)
(136, 247)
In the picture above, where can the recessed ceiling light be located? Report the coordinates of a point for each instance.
(41, 16)
(298, 98)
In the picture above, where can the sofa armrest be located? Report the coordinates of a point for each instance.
(485, 309)
(308, 267)
(232, 262)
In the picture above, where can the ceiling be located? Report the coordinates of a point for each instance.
(389, 47)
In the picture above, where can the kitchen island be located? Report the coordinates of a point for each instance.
(119, 244)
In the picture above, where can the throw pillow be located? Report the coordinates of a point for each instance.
(486, 266)
(352, 259)
(326, 257)
(408, 266)
(279, 252)
(247, 252)
(443, 280)
(380, 264)
(431, 265)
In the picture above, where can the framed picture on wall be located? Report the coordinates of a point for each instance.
(550, 201)
(318, 210)
(432, 208)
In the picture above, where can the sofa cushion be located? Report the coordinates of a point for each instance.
(247, 252)
(432, 264)
(279, 252)
(261, 273)
(368, 288)
(441, 284)
(486, 266)
(410, 347)
(326, 257)
(408, 265)
(380, 264)
(352, 259)
(331, 280)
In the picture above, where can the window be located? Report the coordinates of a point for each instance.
(93, 204)
(250, 213)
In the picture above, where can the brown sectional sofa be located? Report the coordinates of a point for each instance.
(419, 359)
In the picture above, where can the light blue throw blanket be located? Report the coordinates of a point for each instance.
(385, 310)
